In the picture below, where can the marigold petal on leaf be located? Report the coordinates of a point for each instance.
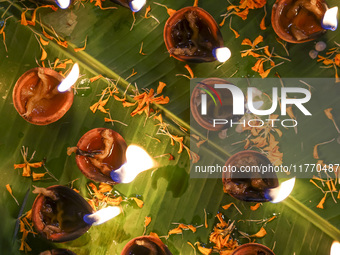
(258, 40)
(154, 235)
(255, 207)
(139, 202)
(177, 230)
(203, 250)
(320, 205)
(261, 233)
(246, 41)
(147, 221)
(38, 176)
(160, 87)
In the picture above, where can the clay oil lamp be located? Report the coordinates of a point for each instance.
(250, 187)
(103, 156)
(192, 35)
(98, 152)
(60, 214)
(133, 5)
(145, 245)
(252, 249)
(299, 21)
(58, 252)
(208, 103)
(245, 179)
(42, 96)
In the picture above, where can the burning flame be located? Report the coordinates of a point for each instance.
(335, 249)
(63, 4)
(137, 5)
(102, 215)
(282, 192)
(330, 20)
(70, 79)
(137, 161)
(222, 54)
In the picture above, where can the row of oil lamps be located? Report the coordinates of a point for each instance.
(42, 96)
(191, 34)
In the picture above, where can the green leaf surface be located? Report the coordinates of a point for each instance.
(169, 194)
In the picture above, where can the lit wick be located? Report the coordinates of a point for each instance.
(137, 161)
(102, 215)
(330, 19)
(137, 5)
(222, 54)
(335, 249)
(280, 193)
(70, 79)
(63, 4)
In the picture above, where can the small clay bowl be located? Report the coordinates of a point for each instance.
(253, 249)
(224, 111)
(297, 24)
(185, 44)
(145, 245)
(66, 213)
(249, 187)
(41, 103)
(58, 252)
(129, 4)
(92, 142)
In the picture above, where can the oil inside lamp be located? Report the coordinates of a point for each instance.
(335, 248)
(63, 4)
(70, 79)
(102, 215)
(330, 19)
(137, 161)
(280, 193)
(222, 54)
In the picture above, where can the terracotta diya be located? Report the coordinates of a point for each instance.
(249, 187)
(58, 252)
(37, 99)
(57, 213)
(145, 245)
(133, 5)
(253, 249)
(298, 21)
(99, 152)
(191, 34)
(218, 107)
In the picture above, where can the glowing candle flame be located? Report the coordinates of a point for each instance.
(330, 20)
(280, 193)
(335, 249)
(137, 5)
(63, 4)
(137, 161)
(71, 79)
(222, 54)
(102, 215)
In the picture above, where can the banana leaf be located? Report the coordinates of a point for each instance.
(170, 196)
